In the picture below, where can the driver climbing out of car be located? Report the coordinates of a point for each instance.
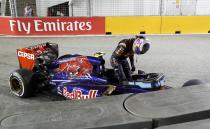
(126, 48)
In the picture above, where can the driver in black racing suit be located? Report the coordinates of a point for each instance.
(126, 48)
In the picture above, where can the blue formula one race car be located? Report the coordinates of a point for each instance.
(73, 76)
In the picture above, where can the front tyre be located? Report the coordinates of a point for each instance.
(21, 83)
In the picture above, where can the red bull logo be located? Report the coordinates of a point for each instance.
(77, 94)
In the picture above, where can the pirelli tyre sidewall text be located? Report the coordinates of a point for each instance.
(21, 83)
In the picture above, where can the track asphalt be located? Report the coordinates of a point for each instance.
(179, 57)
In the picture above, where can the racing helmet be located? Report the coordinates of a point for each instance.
(140, 45)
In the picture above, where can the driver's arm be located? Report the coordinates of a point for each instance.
(133, 68)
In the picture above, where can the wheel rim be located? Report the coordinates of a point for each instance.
(16, 86)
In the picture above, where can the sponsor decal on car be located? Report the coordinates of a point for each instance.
(77, 66)
(26, 55)
(77, 94)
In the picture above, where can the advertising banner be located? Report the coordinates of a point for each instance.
(52, 26)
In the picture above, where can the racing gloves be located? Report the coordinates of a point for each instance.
(133, 68)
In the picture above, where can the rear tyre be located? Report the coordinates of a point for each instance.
(22, 83)
(192, 82)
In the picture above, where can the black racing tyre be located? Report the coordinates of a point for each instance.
(192, 82)
(22, 83)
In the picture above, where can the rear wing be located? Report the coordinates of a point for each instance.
(27, 56)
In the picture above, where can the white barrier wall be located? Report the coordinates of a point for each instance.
(147, 7)
(0, 8)
(80, 7)
(203, 7)
(112, 7)
(188, 7)
(42, 5)
(125, 7)
(129, 7)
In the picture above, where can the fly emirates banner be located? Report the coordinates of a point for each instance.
(52, 26)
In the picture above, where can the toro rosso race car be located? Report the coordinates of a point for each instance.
(73, 76)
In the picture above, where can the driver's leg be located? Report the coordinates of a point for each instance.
(126, 69)
(118, 70)
(121, 73)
